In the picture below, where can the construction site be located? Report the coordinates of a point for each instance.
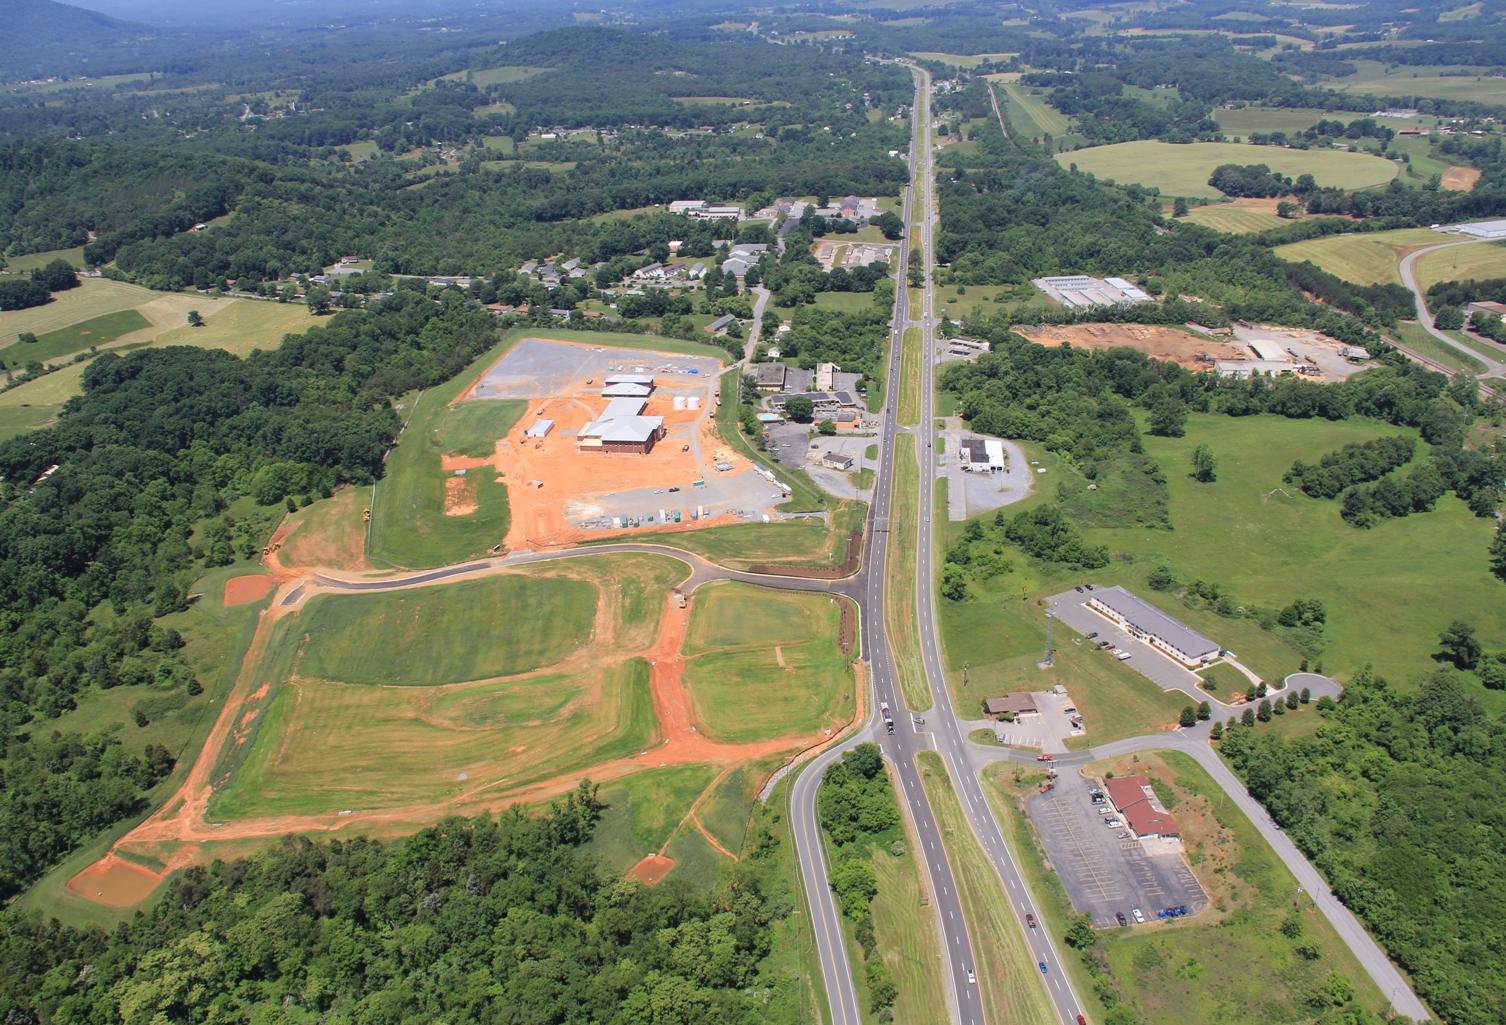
(1231, 352)
(614, 439)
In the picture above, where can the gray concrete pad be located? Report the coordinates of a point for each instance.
(1047, 732)
(972, 494)
(840, 483)
(537, 368)
(1104, 871)
(789, 442)
(743, 493)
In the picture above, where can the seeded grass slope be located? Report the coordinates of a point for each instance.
(1183, 170)
(451, 692)
(763, 663)
(466, 631)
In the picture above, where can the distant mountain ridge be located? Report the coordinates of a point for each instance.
(38, 33)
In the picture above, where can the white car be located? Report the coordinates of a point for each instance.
(1112, 822)
(1139, 918)
(971, 978)
(1122, 655)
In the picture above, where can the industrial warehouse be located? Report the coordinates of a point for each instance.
(1080, 292)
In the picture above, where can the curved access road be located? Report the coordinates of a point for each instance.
(1495, 369)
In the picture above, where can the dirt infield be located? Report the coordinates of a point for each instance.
(1157, 342)
(115, 882)
(651, 869)
(1461, 179)
(247, 589)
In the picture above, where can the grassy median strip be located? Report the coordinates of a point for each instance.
(899, 609)
(1012, 995)
(911, 377)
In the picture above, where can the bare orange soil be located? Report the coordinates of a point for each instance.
(181, 825)
(1157, 342)
(249, 588)
(1461, 179)
(651, 869)
(115, 882)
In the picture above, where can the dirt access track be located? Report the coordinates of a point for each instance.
(1157, 342)
(559, 494)
(180, 832)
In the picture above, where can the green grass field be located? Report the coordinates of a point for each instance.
(1411, 334)
(16, 420)
(1027, 111)
(1421, 80)
(1197, 969)
(763, 664)
(65, 341)
(1245, 121)
(409, 527)
(912, 379)
(1365, 258)
(472, 630)
(1236, 220)
(844, 302)
(643, 811)
(94, 297)
(1183, 170)
(1011, 989)
(1462, 263)
(1389, 591)
(960, 60)
(31, 261)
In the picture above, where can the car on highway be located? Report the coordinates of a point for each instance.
(971, 978)
(1082, 1020)
(1045, 758)
(1030, 921)
(1139, 916)
(1042, 965)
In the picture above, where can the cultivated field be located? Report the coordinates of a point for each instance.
(1241, 217)
(1168, 972)
(1184, 170)
(1365, 258)
(1421, 80)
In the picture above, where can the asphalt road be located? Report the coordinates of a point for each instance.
(1407, 268)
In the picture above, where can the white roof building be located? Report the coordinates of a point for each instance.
(627, 390)
(630, 379)
(1485, 229)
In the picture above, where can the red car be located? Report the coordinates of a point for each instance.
(1045, 758)
(1081, 1020)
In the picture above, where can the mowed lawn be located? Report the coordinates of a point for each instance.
(1462, 263)
(425, 636)
(94, 297)
(1365, 258)
(65, 341)
(762, 664)
(1027, 111)
(1245, 121)
(1233, 218)
(1183, 170)
(1389, 591)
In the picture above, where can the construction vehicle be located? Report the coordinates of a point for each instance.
(366, 515)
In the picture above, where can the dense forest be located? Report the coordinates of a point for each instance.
(475, 920)
(1394, 800)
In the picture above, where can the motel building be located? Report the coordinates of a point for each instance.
(1145, 622)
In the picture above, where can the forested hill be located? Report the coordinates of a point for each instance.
(38, 30)
(471, 921)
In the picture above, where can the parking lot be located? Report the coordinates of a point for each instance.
(1070, 607)
(1105, 870)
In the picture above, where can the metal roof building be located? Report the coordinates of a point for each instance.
(1150, 624)
(539, 429)
(627, 391)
